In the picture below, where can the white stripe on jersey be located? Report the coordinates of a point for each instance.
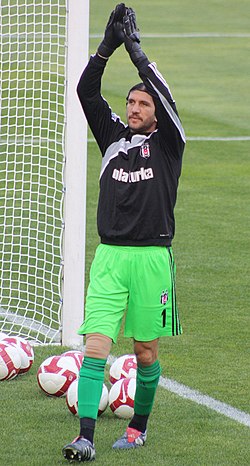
(122, 145)
(171, 112)
(160, 77)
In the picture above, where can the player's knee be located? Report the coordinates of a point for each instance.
(146, 356)
(97, 346)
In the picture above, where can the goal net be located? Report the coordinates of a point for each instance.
(33, 65)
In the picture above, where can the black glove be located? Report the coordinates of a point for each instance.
(132, 37)
(114, 34)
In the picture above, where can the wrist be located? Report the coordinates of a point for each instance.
(99, 55)
(104, 50)
(135, 52)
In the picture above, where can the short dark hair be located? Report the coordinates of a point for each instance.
(137, 87)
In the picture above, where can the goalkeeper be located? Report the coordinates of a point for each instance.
(133, 270)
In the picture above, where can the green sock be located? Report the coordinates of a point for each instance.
(90, 387)
(146, 385)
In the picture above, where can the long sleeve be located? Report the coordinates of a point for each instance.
(102, 121)
(169, 124)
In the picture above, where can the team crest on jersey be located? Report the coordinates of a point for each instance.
(145, 150)
(164, 297)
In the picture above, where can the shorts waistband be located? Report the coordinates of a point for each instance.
(134, 249)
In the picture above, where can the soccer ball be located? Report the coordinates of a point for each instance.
(56, 373)
(121, 398)
(72, 398)
(104, 401)
(10, 361)
(3, 335)
(76, 355)
(124, 367)
(25, 351)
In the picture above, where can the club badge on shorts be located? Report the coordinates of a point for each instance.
(164, 297)
(145, 150)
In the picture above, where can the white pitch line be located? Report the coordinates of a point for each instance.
(229, 138)
(187, 35)
(208, 138)
(153, 35)
(45, 141)
(194, 395)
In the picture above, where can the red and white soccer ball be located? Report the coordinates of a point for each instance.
(78, 357)
(10, 361)
(72, 398)
(104, 401)
(122, 396)
(123, 367)
(3, 335)
(56, 374)
(25, 350)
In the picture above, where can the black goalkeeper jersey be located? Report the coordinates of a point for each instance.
(139, 173)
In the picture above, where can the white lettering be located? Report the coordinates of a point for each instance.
(124, 177)
(115, 174)
(132, 177)
(149, 173)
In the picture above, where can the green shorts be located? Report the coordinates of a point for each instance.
(138, 281)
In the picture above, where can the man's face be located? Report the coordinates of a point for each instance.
(141, 112)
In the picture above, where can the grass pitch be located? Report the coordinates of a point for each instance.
(209, 78)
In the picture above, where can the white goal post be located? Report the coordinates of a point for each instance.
(43, 158)
(75, 175)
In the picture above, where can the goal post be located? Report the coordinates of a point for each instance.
(43, 153)
(75, 176)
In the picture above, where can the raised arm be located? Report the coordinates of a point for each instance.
(169, 124)
(97, 111)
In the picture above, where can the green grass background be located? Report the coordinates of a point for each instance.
(209, 78)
